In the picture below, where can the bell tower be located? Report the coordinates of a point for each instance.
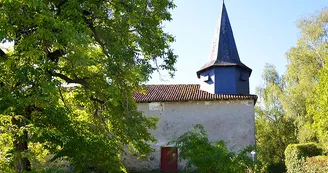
(224, 73)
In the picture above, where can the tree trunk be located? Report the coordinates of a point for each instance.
(21, 145)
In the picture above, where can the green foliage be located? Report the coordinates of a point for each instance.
(278, 167)
(297, 153)
(315, 164)
(318, 108)
(106, 50)
(274, 130)
(305, 60)
(292, 108)
(207, 157)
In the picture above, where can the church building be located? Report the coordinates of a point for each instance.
(221, 102)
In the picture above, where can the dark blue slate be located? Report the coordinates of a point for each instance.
(231, 75)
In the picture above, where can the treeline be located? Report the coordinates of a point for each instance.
(293, 107)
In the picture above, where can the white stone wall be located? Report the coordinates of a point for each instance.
(231, 121)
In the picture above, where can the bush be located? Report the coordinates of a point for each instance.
(206, 157)
(296, 154)
(276, 167)
(315, 164)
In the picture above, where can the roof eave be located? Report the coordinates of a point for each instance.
(252, 97)
(223, 65)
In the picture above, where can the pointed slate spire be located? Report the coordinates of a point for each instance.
(224, 73)
(224, 50)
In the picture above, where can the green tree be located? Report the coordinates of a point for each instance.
(274, 130)
(282, 115)
(107, 50)
(304, 63)
(318, 108)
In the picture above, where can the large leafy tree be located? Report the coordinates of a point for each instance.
(291, 107)
(304, 63)
(107, 49)
(318, 108)
(274, 130)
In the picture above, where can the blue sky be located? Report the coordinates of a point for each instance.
(264, 31)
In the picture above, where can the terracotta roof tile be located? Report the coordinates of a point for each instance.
(183, 93)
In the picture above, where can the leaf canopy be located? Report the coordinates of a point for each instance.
(101, 51)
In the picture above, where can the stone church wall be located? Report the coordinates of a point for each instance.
(231, 121)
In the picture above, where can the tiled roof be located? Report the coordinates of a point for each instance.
(183, 93)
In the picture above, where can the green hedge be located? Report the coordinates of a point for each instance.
(295, 155)
(315, 164)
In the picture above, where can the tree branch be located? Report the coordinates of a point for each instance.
(94, 32)
(68, 80)
(61, 96)
(3, 54)
(54, 56)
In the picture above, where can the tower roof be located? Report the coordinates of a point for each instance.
(224, 50)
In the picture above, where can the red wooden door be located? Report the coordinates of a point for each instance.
(169, 160)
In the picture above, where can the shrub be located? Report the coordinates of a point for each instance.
(276, 167)
(206, 157)
(315, 164)
(295, 155)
